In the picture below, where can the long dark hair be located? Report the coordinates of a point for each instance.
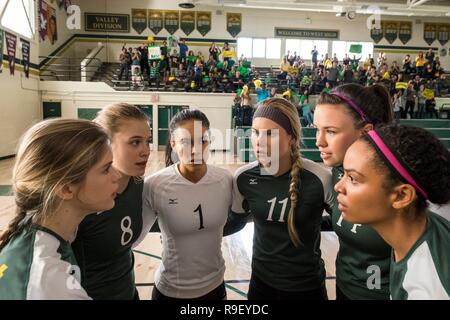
(374, 101)
(427, 159)
(177, 120)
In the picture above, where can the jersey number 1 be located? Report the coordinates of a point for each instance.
(199, 209)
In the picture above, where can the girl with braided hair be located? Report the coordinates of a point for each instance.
(62, 173)
(390, 174)
(286, 195)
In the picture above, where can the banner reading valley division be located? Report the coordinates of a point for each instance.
(1, 50)
(139, 20)
(26, 57)
(11, 40)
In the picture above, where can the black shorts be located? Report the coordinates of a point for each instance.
(259, 290)
(218, 293)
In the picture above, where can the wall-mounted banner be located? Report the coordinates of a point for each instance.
(234, 23)
(155, 20)
(429, 33)
(391, 31)
(405, 31)
(377, 34)
(52, 31)
(107, 22)
(1, 50)
(11, 40)
(187, 21)
(43, 15)
(307, 33)
(443, 31)
(26, 57)
(203, 22)
(171, 20)
(139, 20)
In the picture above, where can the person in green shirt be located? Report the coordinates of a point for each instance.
(340, 118)
(391, 174)
(61, 174)
(286, 195)
(104, 241)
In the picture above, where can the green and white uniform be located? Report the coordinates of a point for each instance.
(103, 246)
(191, 217)
(424, 273)
(363, 259)
(37, 264)
(275, 258)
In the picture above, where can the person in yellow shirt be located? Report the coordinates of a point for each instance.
(284, 67)
(420, 63)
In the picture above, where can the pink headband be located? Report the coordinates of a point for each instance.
(389, 156)
(352, 104)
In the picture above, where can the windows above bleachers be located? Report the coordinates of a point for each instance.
(18, 16)
(303, 48)
(263, 48)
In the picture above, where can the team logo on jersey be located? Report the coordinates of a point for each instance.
(173, 201)
(340, 176)
(3, 268)
(253, 181)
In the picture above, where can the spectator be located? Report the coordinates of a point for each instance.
(183, 50)
(314, 54)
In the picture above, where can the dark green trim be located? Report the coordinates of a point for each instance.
(19, 63)
(404, 48)
(114, 36)
(7, 157)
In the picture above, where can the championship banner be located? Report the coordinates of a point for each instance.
(155, 20)
(203, 22)
(1, 50)
(234, 23)
(43, 15)
(429, 33)
(391, 31)
(171, 21)
(405, 31)
(377, 34)
(139, 20)
(187, 21)
(443, 31)
(11, 40)
(26, 56)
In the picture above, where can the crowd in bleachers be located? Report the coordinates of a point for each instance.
(413, 83)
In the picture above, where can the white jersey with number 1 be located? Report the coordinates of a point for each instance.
(191, 217)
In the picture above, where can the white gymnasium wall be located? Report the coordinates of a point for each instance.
(19, 98)
(75, 95)
(45, 47)
(261, 23)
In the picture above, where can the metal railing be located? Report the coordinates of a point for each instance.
(67, 68)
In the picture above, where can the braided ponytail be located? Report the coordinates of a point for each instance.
(293, 194)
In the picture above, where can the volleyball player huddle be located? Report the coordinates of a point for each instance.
(83, 205)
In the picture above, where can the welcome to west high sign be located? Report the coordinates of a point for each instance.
(307, 33)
